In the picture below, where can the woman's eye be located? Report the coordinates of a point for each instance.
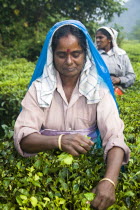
(99, 37)
(77, 54)
(61, 55)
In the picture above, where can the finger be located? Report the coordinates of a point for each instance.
(95, 205)
(77, 143)
(105, 203)
(92, 203)
(87, 140)
(94, 190)
(80, 139)
(82, 149)
(79, 149)
(97, 200)
(73, 152)
(75, 149)
(69, 146)
(85, 146)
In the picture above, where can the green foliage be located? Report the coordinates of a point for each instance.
(130, 111)
(14, 79)
(133, 50)
(135, 33)
(55, 180)
(24, 24)
(36, 11)
(48, 182)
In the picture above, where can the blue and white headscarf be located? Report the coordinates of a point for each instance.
(93, 75)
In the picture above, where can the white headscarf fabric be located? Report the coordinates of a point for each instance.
(89, 83)
(114, 35)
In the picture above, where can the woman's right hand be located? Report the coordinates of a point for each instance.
(115, 80)
(76, 144)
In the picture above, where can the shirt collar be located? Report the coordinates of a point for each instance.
(109, 53)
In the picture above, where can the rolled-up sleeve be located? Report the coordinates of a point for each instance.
(29, 120)
(111, 126)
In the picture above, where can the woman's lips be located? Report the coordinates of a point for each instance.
(70, 69)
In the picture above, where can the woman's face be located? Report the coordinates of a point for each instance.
(102, 41)
(69, 57)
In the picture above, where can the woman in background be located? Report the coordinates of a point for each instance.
(116, 59)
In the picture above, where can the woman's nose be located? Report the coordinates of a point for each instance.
(69, 59)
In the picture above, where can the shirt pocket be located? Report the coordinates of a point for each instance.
(86, 118)
(119, 67)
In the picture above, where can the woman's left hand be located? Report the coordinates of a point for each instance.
(115, 80)
(105, 195)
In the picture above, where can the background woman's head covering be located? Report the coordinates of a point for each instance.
(114, 34)
(100, 65)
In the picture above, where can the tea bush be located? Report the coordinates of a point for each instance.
(56, 180)
(14, 79)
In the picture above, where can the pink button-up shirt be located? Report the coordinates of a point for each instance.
(75, 115)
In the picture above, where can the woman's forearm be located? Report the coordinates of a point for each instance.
(35, 143)
(114, 162)
(74, 144)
